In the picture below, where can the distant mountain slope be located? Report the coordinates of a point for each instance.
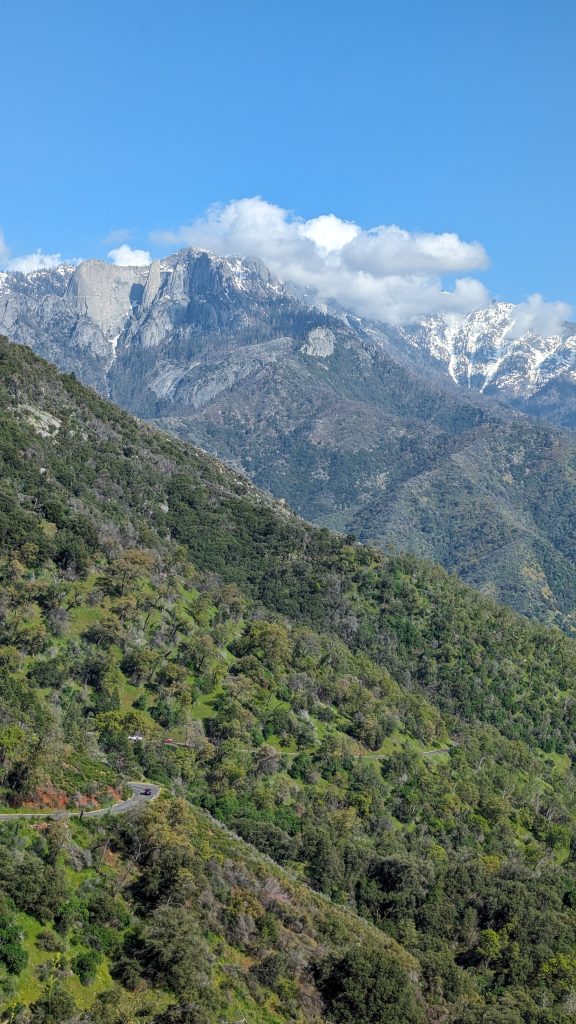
(343, 420)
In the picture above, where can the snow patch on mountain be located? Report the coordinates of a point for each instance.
(482, 350)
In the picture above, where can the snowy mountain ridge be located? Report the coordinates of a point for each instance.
(486, 351)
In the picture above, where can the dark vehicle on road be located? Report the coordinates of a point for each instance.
(147, 791)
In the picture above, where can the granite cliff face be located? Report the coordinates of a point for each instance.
(138, 329)
(387, 433)
(72, 315)
(105, 294)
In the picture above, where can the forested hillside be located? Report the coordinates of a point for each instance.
(368, 808)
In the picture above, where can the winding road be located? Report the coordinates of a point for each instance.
(138, 799)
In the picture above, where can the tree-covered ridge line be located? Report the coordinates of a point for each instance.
(169, 917)
(300, 693)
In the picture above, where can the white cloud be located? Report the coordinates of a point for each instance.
(329, 232)
(386, 273)
(35, 261)
(124, 256)
(535, 316)
(391, 250)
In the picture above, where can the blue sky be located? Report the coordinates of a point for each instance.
(444, 117)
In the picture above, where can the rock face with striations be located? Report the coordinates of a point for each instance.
(72, 315)
(105, 294)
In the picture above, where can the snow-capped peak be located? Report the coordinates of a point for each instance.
(486, 350)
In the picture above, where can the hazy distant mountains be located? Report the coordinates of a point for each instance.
(360, 427)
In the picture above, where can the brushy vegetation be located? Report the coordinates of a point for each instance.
(369, 809)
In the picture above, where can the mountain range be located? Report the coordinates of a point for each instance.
(413, 436)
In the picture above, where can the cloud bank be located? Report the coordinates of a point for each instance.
(383, 273)
(386, 273)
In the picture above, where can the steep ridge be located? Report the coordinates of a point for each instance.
(329, 413)
(162, 616)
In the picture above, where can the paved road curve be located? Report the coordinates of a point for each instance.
(138, 799)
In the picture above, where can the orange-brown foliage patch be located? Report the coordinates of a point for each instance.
(46, 797)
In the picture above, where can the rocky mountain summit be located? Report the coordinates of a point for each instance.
(168, 338)
(155, 324)
(387, 433)
(488, 351)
